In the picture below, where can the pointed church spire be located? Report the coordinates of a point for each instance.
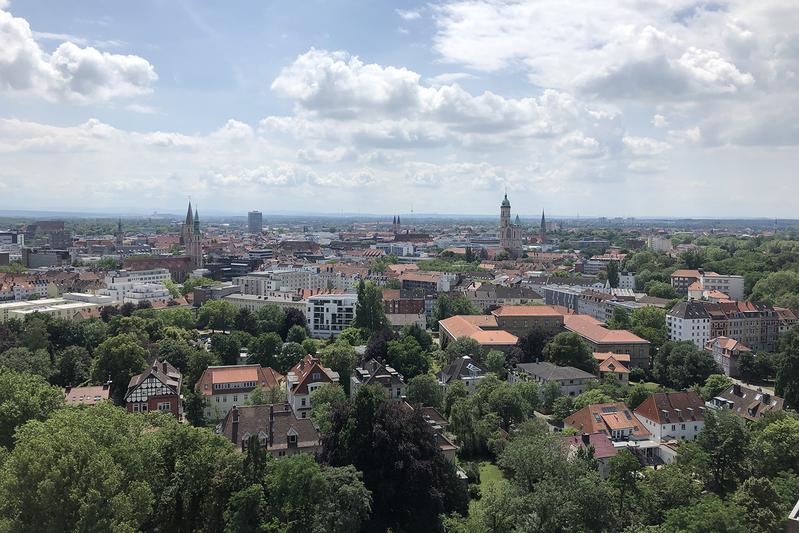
(196, 220)
(189, 221)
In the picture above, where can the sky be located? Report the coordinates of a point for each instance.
(612, 108)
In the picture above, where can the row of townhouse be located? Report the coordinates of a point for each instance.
(757, 326)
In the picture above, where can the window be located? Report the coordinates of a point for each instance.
(164, 406)
(303, 402)
(683, 427)
(235, 397)
(144, 407)
(292, 439)
(673, 427)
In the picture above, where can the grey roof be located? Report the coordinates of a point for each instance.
(548, 371)
(691, 310)
(277, 422)
(460, 368)
(373, 372)
(163, 372)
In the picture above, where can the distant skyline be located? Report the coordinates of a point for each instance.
(643, 108)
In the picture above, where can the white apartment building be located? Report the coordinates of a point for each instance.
(285, 280)
(222, 387)
(329, 314)
(672, 415)
(627, 280)
(136, 285)
(688, 321)
(253, 302)
(732, 286)
(55, 307)
(658, 243)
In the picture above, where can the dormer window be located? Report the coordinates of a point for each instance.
(292, 439)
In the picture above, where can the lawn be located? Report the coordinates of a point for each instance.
(489, 473)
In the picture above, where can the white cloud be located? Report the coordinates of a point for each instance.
(659, 121)
(71, 72)
(408, 14)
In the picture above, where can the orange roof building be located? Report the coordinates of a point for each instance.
(612, 419)
(226, 386)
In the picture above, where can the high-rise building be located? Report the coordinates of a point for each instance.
(255, 221)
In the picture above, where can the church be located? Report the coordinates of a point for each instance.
(510, 234)
(191, 238)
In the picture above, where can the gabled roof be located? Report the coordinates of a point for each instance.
(160, 370)
(548, 371)
(275, 422)
(526, 310)
(265, 377)
(611, 364)
(462, 367)
(606, 417)
(374, 372)
(309, 370)
(590, 328)
(749, 403)
(672, 407)
(87, 395)
(473, 326)
(603, 446)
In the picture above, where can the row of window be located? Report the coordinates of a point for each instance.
(142, 408)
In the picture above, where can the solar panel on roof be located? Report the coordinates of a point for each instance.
(608, 410)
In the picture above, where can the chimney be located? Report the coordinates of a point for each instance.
(586, 439)
(766, 398)
(234, 425)
(736, 389)
(67, 389)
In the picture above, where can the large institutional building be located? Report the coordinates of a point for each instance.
(510, 234)
(191, 238)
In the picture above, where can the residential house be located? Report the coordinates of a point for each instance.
(752, 404)
(726, 352)
(304, 378)
(375, 373)
(601, 445)
(329, 314)
(571, 381)
(612, 419)
(157, 388)
(279, 431)
(613, 365)
(463, 369)
(672, 415)
(223, 387)
(89, 395)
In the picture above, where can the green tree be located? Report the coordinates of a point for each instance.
(342, 358)
(264, 348)
(369, 312)
(549, 393)
(270, 318)
(638, 393)
(291, 354)
(569, 349)
(649, 323)
(622, 474)
(24, 397)
(190, 283)
(216, 315)
(591, 397)
(194, 407)
(118, 359)
(620, 319)
(324, 401)
(724, 439)
(613, 273)
(681, 365)
(27, 360)
(422, 336)
(245, 320)
(664, 489)
(407, 357)
(456, 390)
(451, 304)
(709, 515)
(761, 505)
(659, 289)
(354, 336)
(74, 365)
(714, 384)
(296, 334)
(787, 384)
(562, 407)
(463, 347)
(495, 362)
(777, 445)
(226, 348)
(197, 362)
(507, 402)
(778, 288)
(424, 389)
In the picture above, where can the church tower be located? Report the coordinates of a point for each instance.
(119, 235)
(510, 234)
(191, 237)
(543, 232)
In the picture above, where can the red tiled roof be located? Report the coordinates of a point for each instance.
(526, 310)
(662, 407)
(266, 377)
(592, 329)
(603, 417)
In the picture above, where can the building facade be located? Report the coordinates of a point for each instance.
(510, 233)
(223, 387)
(329, 314)
(672, 415)
(255, 222)
(304, 378)
(155, 389)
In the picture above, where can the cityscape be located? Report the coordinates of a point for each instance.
(438, 275)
